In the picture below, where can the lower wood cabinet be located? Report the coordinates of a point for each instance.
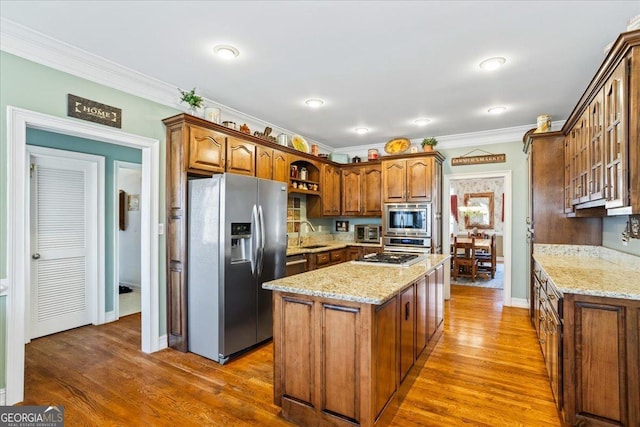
(407, 330)
(601, 366)
(341, 363)
(326, 258)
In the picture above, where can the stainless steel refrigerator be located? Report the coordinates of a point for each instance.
(237, 241)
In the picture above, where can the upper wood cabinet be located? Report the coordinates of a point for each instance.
(602, 156)
(207, 148)
(407, 180)
(272, 164)
(616, 142)
(352, 191)
(241, 157)
(330, 189)
(361, 190)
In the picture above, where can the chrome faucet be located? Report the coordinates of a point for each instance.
(304, 221)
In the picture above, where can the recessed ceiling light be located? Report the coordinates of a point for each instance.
(226, 51)
(314, 102)
(492, 63)
(361, 131)
(421, 122)
(497, 110)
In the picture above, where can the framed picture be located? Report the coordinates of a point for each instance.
(342, 225)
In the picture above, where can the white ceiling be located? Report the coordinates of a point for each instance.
(377, 64)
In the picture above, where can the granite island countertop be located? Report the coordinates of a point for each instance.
(592, 275)
(348, 281)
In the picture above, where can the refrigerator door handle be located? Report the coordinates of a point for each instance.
(254, 240)
(261, 245)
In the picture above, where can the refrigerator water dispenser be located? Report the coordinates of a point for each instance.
(240, 242)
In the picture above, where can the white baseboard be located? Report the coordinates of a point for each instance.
(110, 316)
(161, 343)
(519, 302)
(3, 397)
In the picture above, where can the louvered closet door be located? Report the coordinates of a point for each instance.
(61, 242)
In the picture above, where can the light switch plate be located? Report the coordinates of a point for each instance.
(160, 229)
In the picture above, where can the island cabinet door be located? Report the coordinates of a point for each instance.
(421, 315)
(384, 358)
(431, 304)
(407, 330)
(340, 361)
(294, 334)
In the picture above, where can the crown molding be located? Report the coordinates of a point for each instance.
(37, 47)
(463, 140)
(26, 43)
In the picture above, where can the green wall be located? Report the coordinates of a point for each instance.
(111, 153)
(32, 86)
(516, 162)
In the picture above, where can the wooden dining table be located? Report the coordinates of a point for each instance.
(482, 244)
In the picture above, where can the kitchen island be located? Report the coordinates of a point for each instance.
(349, 339)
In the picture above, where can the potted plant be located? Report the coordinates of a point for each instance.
(194, 101)
(429, 143)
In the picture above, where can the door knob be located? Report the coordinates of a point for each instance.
(35, 256)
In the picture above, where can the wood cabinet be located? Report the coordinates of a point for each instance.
(616, 142)
(241, 157)
(362, 190)
(352, 191)
(272, 164)
(326, 258)
(354, 252)
(330, 190)
(548, 325)
(344, 363)
(407, 180)
(407, 330)
(602, 157)
(601, 361)
(207, 150)
(547, 219)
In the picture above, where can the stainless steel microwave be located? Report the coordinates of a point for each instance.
(407, 219)
(367, 233)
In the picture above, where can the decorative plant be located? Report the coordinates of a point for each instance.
(429, 141)
(194, 101)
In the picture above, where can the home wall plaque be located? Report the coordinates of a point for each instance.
(478, 160)
(92, 111)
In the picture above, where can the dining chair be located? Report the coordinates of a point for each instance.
(487, 259)
(465, 263)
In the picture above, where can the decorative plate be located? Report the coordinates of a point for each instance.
(397, 146)
(299, 143)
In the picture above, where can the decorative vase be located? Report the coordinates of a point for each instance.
(194, 111)
(427, 147)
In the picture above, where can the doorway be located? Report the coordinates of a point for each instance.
(505, 178)
(18, 120)
(127, 245)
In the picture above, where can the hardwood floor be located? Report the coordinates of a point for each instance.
(487, 370)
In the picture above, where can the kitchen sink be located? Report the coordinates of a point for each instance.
(314, 246)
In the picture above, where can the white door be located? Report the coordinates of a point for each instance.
(63, 244)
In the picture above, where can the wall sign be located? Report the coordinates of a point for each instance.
(86, 109)
(478, 160)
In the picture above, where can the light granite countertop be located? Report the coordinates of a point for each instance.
(591, 275)
(328, 246)
(349, 281)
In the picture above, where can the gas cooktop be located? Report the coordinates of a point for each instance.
(391, 259)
